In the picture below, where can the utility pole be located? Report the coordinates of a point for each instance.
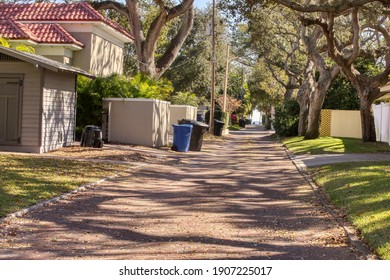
(213, 62)
(226, 78)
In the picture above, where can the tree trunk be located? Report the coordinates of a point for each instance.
(367, 117)
(288, 94)
(146, 65)
(303, 100)
(314, 119)
(304, 96)
(290, 87)
(317, 96)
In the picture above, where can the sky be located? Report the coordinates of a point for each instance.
(201, 3)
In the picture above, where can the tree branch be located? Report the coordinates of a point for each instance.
(175, 45)
(154, 32)
(276, 77)
(340, 7)
(180, 9)
(111, 5)
(161, 4)
(386, 35)
(356, 36)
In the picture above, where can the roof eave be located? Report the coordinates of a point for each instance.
(108, 28)
(116, 33)
(24, 41)
(73, 47)
(37, 63)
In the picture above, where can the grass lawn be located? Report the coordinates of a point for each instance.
(27, 180)
(362, 190)
(325, 145)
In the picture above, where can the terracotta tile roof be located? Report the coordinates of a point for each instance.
(81, 11)
(41, 33)
(14, 30)
(52, 33)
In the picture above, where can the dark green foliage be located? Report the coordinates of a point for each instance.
(341, 95)
(287, 119)
(185, 98)
(218, 115)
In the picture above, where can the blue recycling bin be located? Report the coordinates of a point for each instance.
(181, 137)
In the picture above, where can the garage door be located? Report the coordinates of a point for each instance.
(9, 110)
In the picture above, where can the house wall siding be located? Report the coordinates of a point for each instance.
(106, 57)
(82, 58)
(56, 58)
(58, 120)
(99, 56)
(31, 98)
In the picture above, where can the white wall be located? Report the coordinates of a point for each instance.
(179, 112)
(382, 122)
(256, 116)
(137, 121)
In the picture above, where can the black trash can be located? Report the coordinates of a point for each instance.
(200, 118)
(241, 123)
(92, 137)
(218, 127)
(198, 130)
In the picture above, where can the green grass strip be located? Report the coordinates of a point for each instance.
(28, 180)
(327, 145)
(362, 190)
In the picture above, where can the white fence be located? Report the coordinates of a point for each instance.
(382, 122)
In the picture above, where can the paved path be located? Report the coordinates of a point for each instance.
(241, 198)
(317, 160)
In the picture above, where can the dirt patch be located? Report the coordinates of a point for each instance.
(115, 153)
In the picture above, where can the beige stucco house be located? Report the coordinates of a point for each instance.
(37, 102)
(73, 34)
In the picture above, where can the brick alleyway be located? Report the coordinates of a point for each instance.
(240, 198)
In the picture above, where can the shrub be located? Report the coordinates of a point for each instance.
(218, 115)
(185, 98)
(341, 95)
(287, 119)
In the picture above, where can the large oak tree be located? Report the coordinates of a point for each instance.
(364, 17)
(367, 25)
(146, 37)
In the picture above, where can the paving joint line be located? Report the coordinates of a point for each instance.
(353, 238)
